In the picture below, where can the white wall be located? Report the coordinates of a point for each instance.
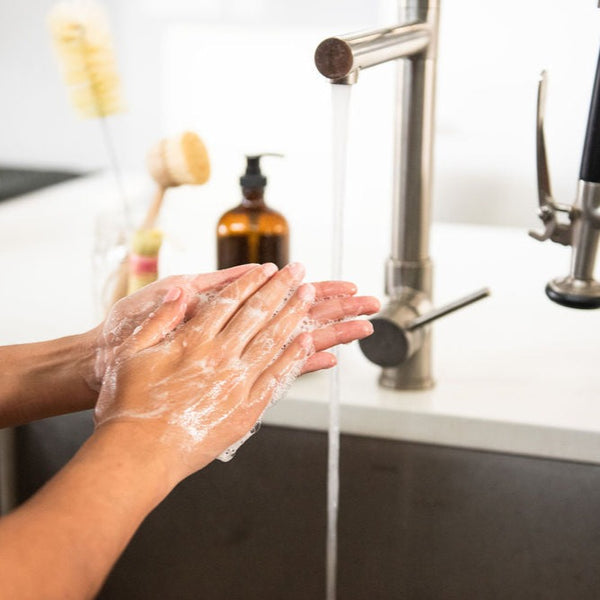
(35, 121)
(241, 74)
(37, 124)
(490, 56)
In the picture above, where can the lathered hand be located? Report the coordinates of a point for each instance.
(199, 385)
(132, 311)
(334, 302)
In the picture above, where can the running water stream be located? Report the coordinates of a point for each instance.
(340, 114)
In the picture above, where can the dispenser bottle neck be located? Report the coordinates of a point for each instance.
(253, 197)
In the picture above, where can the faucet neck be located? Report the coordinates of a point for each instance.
(413, 150)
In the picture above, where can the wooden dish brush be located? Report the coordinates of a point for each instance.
(173, 161)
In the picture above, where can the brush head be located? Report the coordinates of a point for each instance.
(179, 160)
(83, 46)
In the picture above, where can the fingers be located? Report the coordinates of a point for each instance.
(211, 317)
(157, 325)
(269, 342)
(332, 289)
(259, 309)
(207, 281)
(193, 285)
(340, 333)
(200, 282)
(319, 361)
(275, 381)
(336, 309)
(332, 335)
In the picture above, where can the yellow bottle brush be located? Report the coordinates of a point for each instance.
(83, 45)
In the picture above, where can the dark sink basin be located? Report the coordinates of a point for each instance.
(15, 181)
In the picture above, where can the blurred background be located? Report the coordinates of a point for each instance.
(241, 75)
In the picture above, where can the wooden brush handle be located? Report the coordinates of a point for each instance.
(154, 209)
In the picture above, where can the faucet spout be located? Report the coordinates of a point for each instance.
(341, 58)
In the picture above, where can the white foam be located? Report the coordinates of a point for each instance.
(285, 300)
(285, 383)
(256, 314)
(228, 454)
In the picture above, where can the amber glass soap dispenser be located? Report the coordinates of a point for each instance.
(252, 232)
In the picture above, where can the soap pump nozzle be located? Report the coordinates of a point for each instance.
(253, 177)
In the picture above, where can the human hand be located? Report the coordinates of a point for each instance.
(200, 385)
(131, 311)
(332, 320)
(334, 302)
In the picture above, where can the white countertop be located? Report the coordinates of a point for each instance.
(515, 372)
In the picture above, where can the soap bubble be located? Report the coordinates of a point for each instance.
(228, 454)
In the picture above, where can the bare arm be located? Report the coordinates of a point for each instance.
(46, 378)
(64, 540)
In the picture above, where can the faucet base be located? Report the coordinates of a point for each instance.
(413, 374)
(409, 284)
(574, 293)
(399, 379)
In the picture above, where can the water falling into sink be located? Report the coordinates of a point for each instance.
(340, 114)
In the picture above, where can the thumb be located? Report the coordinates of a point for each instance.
(158, 323)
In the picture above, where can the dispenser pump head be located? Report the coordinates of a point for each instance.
(253, 178)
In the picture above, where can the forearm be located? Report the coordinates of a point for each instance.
(62, 543)
(46, 379)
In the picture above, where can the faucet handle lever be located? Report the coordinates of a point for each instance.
(548, 208)
(442, 311)
(398, 328)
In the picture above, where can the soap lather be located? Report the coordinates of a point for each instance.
(252, 232)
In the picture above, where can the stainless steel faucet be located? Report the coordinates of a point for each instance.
(401, 342)
(580, 227)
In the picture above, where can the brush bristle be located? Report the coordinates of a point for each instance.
(83, 45)
(186, 159)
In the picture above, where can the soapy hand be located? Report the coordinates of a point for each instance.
(131, 311)
(198, 379)
(334, 302)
